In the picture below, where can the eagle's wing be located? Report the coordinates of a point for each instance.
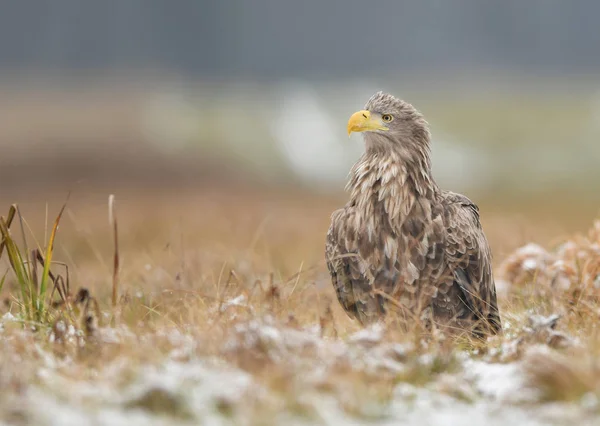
(470, 262)
(350, 274)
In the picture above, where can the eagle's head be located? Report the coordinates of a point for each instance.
(390, 122)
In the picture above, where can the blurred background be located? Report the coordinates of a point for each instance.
(159, 95)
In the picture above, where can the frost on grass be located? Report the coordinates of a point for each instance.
(256, 348)
(573, 266)
(265, 371)
(305, 380)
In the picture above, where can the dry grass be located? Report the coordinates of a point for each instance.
(227, 280)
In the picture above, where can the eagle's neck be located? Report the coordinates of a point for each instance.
(389, 177)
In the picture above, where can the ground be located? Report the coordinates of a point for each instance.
(226, 315)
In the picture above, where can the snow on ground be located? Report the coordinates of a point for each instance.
(189, 388)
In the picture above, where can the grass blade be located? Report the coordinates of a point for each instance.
(48, 261)
(9, 219)
(2, 281)
(17, 263)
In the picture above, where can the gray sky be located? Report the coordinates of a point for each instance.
(264, 39)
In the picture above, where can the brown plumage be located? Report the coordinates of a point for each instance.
(401, 243)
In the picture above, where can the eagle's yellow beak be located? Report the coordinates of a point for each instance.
(361, 121)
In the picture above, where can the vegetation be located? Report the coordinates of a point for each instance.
(215, 305)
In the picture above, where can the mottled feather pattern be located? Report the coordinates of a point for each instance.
(401, 244)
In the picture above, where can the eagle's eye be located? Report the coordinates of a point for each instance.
(387, 118)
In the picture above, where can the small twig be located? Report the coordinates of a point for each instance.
(297, 280)
(7, 223)
(112, 220)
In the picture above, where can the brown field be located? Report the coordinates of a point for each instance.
(226, 315)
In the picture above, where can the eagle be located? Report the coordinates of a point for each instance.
(403, 245)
